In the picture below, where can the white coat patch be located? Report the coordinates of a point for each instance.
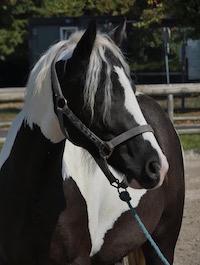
(103, 203)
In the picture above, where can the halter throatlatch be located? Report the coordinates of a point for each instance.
(105, 147)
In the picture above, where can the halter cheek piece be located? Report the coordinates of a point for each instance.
(105, 147)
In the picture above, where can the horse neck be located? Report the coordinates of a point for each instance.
(31, 189)
(39, 108)
(32, 161)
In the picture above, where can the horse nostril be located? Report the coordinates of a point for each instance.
(153, 169)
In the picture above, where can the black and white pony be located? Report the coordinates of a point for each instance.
(57, 206)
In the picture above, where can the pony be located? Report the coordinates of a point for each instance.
(82, 128)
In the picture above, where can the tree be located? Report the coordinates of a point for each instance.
(55, 8)
(186, 12)
(109, 7)
(14, 15)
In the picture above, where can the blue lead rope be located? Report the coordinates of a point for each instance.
(124, 196)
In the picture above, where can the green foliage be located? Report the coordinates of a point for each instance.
(109, 7)
(145, 47)
(14, 21)
(147, 50)
(14, 16)
(152, 13)
(187, 12)
(57, 8)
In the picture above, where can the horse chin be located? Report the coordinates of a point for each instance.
(134, 184)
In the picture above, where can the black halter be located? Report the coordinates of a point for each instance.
(105, 147)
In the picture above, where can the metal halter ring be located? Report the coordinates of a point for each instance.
(106, 151)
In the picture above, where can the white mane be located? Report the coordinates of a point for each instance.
(40, 76)
(98, 57)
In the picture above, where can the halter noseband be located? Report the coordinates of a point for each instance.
(105, 147)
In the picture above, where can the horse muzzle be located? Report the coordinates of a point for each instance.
(152, 176)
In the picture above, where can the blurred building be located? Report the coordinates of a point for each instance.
(144, 48)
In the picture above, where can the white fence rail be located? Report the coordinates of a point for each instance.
(14, 94)
(17, 93)
(170, 90)
(174, 89)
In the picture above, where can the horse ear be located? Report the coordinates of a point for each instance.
(84, 47)
(118, 33)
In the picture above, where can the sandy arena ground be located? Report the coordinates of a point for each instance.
(188, 246)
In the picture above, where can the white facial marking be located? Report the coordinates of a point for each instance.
(133, 107)
(131, 103)
(103, 203)
(7, 147)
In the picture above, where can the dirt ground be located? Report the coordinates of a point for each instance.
(188, 246)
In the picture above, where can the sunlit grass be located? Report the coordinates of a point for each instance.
(190, 142)
(8, 114)
(1, 144)
(191, 103)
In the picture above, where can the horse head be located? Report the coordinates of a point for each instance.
(95, 83)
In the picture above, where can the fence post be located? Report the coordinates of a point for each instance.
(170, 99)
(170, 107)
